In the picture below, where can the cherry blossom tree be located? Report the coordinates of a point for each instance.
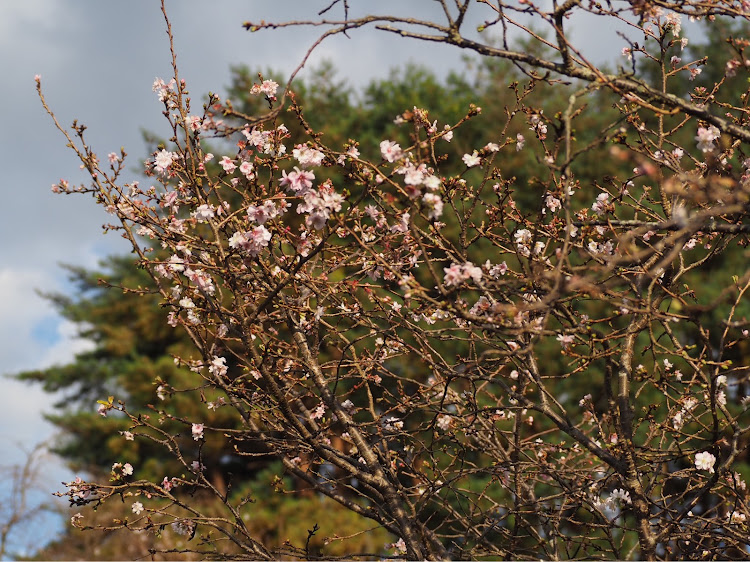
(480, 371)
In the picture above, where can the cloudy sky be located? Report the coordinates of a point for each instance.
(97, 60)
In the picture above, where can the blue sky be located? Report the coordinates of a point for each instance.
(98, 59)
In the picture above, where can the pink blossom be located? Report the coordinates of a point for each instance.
(218, 366)
(472, 159)
(252, 241)
(319, 411)
(731, 68)
(600, 205)
(163, 160)
(552, 203)
(705, 461)
(674, 22)
(434, 205)
(246, 169)
(390, 150)
(202, 280)
(458, 273)
(413, 175)
(307, 157)
(203, 213)
(400, 546)
(319, 205)
(263, 213)
(497, 270)
(197, 430)
(268, 88)
(566, 340)
(706, 138)
(298, 181)
(538, 126)
(193, 122)
(228, 165)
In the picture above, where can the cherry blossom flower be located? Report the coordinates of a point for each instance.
(538, 126)
(413, 175)
(458, 273)
(263, 213)
(444, 422)
(566, 340)
(218, 367)
(318, 412)
(620, 495)
(523, 239)
(520, 141)
(390, 150)
(252, 241)
(347, 405)
(307, 157)
(431, 182)
(319, 205)
(227, 164)
(434, 205)
(736, 517)
(399, 545)
(298, 181)
(163, 160)
(193, 122)
(674, 23)
(162, 89)
(246, 169)
(600, 205)
(472, 159)
(706, 138)
(705, 461)
(137, 508)
(203, 213)
(267, 87)
(197, 431)
(552, 203)
(731, 68)
(393, 424)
